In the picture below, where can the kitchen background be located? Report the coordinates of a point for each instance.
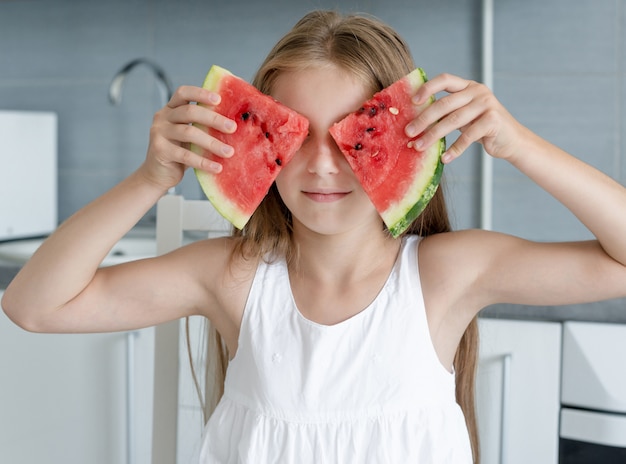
(559, 67)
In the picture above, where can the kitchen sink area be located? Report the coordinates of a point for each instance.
(129, 248)
(137, 244)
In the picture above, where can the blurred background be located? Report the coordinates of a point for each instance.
(559, 67)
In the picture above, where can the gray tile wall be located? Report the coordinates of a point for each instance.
(560, 67)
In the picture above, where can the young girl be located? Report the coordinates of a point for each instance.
(344, 344)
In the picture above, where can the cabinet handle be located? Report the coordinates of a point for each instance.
(130, 395)
(504, 410)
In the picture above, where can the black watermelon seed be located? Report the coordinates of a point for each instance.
(245, 116)
(267, 135)
(279, 162)
(373, 111)
(358, 146)
(370, 129)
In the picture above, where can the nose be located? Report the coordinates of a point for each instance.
(323, 156)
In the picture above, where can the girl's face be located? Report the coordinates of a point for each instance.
(318, 185)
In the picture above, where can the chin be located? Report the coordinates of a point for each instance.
(340, 226)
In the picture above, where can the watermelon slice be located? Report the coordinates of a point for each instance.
(399, 180)
(267, 136)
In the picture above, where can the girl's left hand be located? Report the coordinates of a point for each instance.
(469, 107)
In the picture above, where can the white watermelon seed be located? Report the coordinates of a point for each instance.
(393, 110)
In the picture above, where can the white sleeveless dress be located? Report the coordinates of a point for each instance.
(367, 390)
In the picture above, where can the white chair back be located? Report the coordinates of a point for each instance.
(175, 215)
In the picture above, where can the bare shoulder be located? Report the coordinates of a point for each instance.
(453, 267)
(206, 278)
(479, 268)
(465, 271)
(217, 266)
(216, 278)
(450, 264)
(448, 270)
(448, 252)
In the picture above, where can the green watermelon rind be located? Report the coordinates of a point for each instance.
(400, 216)
(220, 202)
(417, 78)
(229, 210)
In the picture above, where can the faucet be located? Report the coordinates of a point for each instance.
(165, 86)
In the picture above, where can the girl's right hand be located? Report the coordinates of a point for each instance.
(173, 131)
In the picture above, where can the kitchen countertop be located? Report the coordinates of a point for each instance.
(9, 268)
(7, 272)
(613, 311)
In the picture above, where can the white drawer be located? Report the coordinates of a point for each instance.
(594, 370)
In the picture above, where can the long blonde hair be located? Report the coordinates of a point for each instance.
(377, 56)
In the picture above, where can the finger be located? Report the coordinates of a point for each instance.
(465, 116)
(167, 152)
(438, 110)
(189, 93)
(192, 134)
(474, 132)
(204, 116)
(441, 83)
(193, 160)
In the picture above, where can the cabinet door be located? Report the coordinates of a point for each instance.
(62, 397)
(190, 419)
(517, 391)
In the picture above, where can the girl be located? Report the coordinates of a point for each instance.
(344, 344)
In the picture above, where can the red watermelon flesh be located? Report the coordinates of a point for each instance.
(268, 135)
(399, 180)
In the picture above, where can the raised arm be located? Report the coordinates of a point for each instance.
(504, 268)
(62, 288)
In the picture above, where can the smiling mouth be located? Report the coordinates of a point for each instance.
(325, 197)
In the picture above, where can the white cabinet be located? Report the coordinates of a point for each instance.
(63, 397)
(517, 391)
(593, 392)
(190, 419)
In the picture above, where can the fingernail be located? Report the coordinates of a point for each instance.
(446, 157)
(214, 98)
(230, 125)
(411, 130)
(418, 144)
(227, 150)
